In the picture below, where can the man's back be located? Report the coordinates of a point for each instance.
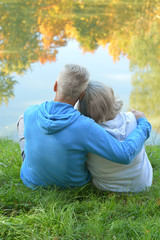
(54, 149)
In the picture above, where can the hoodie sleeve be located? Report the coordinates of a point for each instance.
(99, 142)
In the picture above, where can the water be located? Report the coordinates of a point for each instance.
(118, 42)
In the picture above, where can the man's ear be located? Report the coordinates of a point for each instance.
(55, 87)
(81, 96)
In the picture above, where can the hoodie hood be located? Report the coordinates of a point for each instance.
(55, 116)
(119, 126)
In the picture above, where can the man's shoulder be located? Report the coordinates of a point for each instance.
(31, 108)
(85, 120)
(30, 112)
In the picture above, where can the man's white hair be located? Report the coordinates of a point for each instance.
(72, 81)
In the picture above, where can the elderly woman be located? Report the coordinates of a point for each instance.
(100, 104)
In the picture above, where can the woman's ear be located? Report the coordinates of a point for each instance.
(55, 87)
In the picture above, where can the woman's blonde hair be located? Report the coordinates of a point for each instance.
(99, 102)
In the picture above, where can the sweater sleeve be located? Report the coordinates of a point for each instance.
(99, 142)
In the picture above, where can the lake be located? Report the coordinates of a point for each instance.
(117, 41)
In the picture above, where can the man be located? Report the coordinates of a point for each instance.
(58, 138)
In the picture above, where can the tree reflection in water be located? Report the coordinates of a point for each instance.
(32, 31)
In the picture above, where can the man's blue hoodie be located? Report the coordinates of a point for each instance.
(58, 138)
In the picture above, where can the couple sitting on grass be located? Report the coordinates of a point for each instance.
(66, 147)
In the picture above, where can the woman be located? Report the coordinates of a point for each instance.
(100, 104)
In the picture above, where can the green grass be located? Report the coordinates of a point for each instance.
(81, 213)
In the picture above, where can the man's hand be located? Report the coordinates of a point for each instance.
(138, 114)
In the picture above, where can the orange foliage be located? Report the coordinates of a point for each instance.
(92, 24)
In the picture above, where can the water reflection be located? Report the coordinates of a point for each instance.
(33, 31)
(6, 87)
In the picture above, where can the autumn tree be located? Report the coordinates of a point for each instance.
(18, 36)
(144, 63)
(6, 87)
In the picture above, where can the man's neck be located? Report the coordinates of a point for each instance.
(57, 99)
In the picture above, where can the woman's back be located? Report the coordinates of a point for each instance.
(107, 175)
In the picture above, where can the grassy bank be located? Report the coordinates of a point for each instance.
(82, 213)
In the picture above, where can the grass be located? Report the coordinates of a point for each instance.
(81, 213)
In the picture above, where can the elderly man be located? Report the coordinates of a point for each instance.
(58, 138)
